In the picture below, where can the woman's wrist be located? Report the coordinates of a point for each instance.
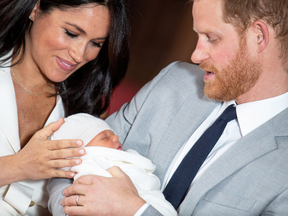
(10, 173)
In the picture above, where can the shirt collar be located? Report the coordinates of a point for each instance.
(253, 114)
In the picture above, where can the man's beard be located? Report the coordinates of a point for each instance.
(238, 77)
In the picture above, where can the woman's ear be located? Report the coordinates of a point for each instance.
(261, 33)
(34, 11)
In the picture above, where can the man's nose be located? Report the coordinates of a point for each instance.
(200, 53)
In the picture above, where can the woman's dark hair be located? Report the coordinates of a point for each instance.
(89, 88)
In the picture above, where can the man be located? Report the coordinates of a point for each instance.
(242, 48)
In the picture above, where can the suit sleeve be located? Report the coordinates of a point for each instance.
(122, 120)
(55, 188)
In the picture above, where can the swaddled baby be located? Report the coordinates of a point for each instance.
(103, 150)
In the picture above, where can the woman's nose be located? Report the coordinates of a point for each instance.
(77, 52)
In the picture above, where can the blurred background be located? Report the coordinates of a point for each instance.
(162, 32)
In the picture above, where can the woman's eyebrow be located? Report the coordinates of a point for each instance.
(82, 31)
(77, 27)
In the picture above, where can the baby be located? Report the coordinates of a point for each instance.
(103, 150)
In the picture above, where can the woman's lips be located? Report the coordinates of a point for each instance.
(65, 65)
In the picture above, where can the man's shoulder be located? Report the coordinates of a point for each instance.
(182, 71)
(178, 79)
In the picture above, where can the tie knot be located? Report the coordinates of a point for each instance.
(229, 113)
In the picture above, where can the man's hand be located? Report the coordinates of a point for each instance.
(102, 196)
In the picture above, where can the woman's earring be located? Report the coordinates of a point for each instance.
(30, 18)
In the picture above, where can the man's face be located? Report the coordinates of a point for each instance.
(222, 53)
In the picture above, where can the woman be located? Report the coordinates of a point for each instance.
(58, 57)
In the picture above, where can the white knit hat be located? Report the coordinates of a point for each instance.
(80, 126)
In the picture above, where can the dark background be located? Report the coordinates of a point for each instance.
(162, 32)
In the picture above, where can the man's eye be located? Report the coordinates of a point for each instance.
(210, 39)
(70, 34)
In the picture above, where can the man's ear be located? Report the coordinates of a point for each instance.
(261, 33)
(34, 11)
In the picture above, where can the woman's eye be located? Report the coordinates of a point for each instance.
(70, 34)
(97, 44)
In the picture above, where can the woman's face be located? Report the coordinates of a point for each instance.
(63, 41)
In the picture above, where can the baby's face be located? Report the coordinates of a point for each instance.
(107, 139)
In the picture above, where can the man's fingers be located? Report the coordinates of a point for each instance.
(75, 189)
(116, 172)
(71, 201)
(71, 207)
(74, 210)
(85, 180)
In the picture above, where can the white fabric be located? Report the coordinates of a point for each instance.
(28, 190)
(98, 159)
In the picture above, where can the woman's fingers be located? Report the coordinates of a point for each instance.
(60, 163)
(41, 158)
(49, 129)
(63, 144)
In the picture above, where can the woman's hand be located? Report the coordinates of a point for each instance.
(102, 195)
(40, 158)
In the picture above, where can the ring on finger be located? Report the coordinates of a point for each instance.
(77, 200)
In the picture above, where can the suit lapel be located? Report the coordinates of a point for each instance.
(8, 110)
(180, 130)
(249, 148)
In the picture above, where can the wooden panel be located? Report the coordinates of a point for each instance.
(162, 32)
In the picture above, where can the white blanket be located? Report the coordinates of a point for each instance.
(98, 159)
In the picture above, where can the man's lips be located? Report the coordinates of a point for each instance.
(64, 64)
(208, 75)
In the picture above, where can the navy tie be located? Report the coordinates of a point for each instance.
(181, 180)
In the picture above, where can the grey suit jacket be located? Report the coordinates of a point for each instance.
(251, 178)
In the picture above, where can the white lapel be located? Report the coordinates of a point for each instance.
(8, 110)
(57, 113)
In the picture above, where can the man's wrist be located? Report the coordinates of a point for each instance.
(138, 204)
(142, 209)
